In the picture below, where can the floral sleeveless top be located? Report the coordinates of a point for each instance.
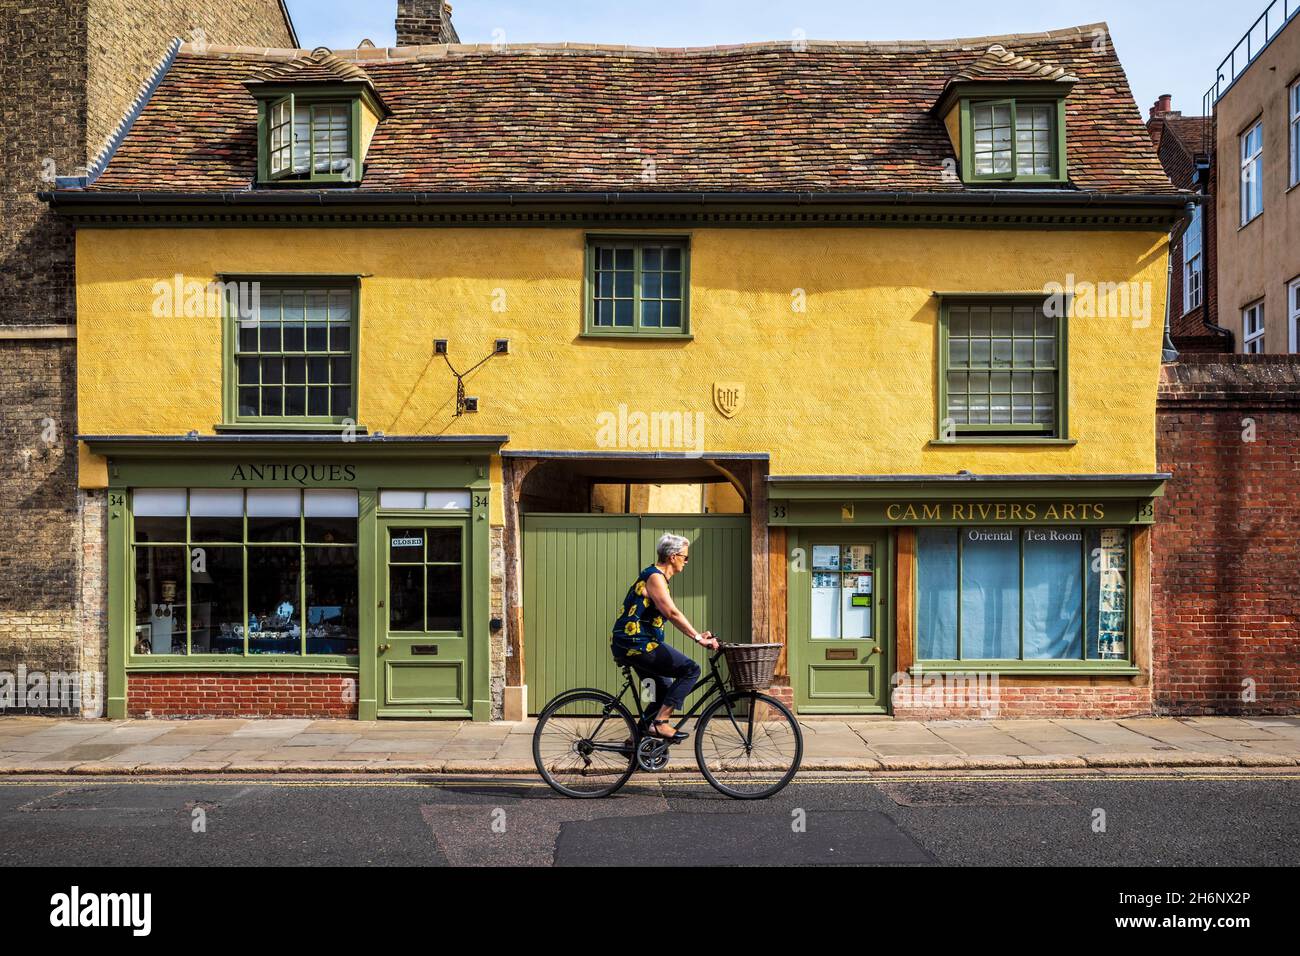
(640, 627)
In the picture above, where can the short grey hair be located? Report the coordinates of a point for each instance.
(669, 545)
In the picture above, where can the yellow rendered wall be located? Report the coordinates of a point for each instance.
(369, 123)
(952, 123)
(845, 387)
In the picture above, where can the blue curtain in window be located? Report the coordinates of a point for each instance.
(1053, 604)
(936, 594)
(990, 594)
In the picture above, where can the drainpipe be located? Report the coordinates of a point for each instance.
(1202, 177)
(1170, 354)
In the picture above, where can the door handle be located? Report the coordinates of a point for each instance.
(877, 650)
(384, 648)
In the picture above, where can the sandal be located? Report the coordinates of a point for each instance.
(676, 737)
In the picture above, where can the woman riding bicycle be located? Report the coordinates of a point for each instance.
(638, 639)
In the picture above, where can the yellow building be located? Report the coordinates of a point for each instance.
(393, 365)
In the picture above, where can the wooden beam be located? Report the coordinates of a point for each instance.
(905, 602)
(758, 538)
(1140, 581)
(513, 472)
(779, 591)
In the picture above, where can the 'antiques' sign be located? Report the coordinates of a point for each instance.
(300, 474)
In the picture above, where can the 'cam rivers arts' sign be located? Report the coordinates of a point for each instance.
(1120, 511)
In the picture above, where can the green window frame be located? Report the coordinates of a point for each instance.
(1099, 554)
(1024, 131)
(205, 543)
(1003, 369)
(293, 364)
(637, 286)
(440, 558)
(310, 138)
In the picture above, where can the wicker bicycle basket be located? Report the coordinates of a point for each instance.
(751, 666)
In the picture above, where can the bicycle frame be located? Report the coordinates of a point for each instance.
(716, 685)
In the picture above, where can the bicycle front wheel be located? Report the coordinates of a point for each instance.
(748, 745)
(585, 744)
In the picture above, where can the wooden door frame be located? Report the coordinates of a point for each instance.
(471, 583)
(801, 537)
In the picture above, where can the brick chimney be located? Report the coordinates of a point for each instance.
(1163, 107)
(1156, 124)
(423, 22)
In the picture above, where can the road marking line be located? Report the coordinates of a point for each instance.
(507, 782)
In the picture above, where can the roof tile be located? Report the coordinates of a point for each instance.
(834, 117)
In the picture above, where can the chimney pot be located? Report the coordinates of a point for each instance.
(1164, 105)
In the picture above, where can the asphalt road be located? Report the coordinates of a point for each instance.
(1151, 818)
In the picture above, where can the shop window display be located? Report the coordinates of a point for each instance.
(241, 573)
(1022, 594)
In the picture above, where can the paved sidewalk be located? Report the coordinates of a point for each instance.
(30, 745)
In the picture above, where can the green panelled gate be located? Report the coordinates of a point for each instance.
(577, 569)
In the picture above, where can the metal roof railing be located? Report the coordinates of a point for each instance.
(1270, 23)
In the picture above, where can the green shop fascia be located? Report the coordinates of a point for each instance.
(1029, 574)
(362, 556)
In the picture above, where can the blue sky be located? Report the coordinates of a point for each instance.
(1167, 46)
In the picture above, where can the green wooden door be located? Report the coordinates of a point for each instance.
(839, 622)
(577, 569)
(424, 618)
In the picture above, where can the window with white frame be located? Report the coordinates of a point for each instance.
(1193, 264)
(1252, 172)
(1293, 317)
(1294, 126)
(1252, 329)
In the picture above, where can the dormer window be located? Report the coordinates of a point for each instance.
(1013, 139)
(1005, 116)
(317, 115)
(311, 140)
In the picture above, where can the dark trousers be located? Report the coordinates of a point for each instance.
(674, 674)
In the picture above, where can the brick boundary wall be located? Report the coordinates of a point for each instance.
(1226, 576)
(174, 695)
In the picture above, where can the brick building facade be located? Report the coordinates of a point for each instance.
(1185, 146)
(70, 71)
(1226, 583)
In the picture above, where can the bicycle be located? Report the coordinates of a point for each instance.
(587, 745)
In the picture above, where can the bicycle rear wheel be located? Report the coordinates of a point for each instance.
(585, 744)
(748, 745)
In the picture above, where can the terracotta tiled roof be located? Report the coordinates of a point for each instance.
(1192, 131)
(319, 66)
(1000, 64)
(829, 117)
